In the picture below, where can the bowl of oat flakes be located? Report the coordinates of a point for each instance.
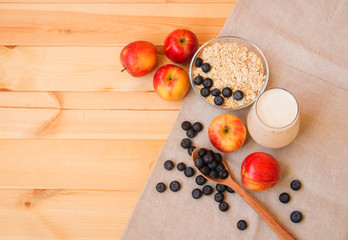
(229, 72)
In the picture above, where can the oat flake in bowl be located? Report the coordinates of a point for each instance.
(234, 63)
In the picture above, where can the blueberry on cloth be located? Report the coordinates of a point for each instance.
(196, 193)
(185, 143)
(200, 180)
(169, 165)
(181, 166)
(174, 186)
(219, 197)
(223, 206)
(189, 172)
(190, 150)
(161, 187)
(295, 185)
(284, 198)
(207, 190)
(296, 216)
(186, 125)
(242, 225)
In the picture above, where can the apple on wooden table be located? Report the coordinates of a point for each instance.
(138, 58)
(180, 45)
(171, 82)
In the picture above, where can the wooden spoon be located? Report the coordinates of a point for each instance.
(272, 222)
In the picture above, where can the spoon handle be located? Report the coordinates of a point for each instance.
(271, 221)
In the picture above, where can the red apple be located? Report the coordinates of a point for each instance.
(227, 133)
(180, 45)
(138, 58)
(171, 82)
(259, 171)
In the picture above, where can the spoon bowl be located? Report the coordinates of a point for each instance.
(271, 221)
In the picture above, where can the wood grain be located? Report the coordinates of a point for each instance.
(64, 214)
(86, 100)
(85, 124)
(77, 164)
(71, 69)
(85, 24)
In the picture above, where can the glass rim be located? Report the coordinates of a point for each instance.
(265, 66)
(293, 121)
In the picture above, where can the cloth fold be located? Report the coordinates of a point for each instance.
(305, 43)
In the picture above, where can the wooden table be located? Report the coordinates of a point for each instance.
(78, 138)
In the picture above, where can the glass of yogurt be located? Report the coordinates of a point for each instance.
(273, 121)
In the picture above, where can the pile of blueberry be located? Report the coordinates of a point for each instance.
(210, 164)
(191, 132)
(197, 193)
(295, 216)
(208, 83)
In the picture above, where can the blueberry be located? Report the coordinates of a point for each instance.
(213, 164)
(199, 163)
(238, 95)
(191, 133)
(207, 190)
(217, 157)
(205, 170)
(223, 206)
(207, 158)
(190, 150)
(242, 225)
(219, 197)
(218, 100)
(181, 166)
(186, 125)
(185, 143)
(230, 190)
(174, 186)
(210, 152)
(284, 198)
(169, 165)
(208, 83)
(200, 180)
(223, 174)
(220, 187)
(215, 92)
(161, 187)
(213, 173)
(227, 92)
(189, 172)
(295, 185)
(202, 152)
(296, 216)
(197, 193)
(198, 62)
(205, 67)
(198, 80)
(197, 126)
(220, 167)
(205, 92)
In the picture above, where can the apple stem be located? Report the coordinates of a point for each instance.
(123, 69)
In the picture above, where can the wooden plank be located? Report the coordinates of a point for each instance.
(64, 214)
(77, 164)
(70, 69)
(86, 100)
(85, 24)
(85, 124)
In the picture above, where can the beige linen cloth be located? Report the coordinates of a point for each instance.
(305, 43)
